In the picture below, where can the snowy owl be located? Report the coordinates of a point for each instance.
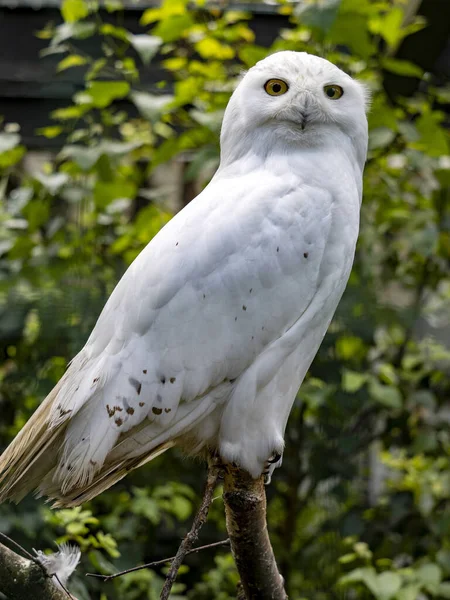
(207, 337)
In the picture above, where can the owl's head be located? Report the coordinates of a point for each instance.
(300, 100)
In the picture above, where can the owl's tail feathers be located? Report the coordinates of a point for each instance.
(31, 460)
(32, 454)
(109, 474)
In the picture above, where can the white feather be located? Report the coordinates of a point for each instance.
(60, 564)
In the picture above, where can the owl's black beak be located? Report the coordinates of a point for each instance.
(302, 120)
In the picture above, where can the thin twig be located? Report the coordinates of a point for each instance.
(191, 537)
(155, 563)
(69, 595)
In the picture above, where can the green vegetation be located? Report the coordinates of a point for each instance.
(361, 507)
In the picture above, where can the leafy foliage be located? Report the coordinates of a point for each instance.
(361, 506)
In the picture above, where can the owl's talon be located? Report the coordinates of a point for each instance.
(270, 465)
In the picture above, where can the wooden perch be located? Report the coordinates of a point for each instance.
(23, 579)
(245, 509)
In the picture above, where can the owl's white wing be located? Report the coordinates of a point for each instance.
(220, 282)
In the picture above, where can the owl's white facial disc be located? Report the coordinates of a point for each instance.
(297, 99)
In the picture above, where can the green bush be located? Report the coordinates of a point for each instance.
(361, 506)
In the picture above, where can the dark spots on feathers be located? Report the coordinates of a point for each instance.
(250, 290)
(136, 384)
(145, 371)
(167, 410)
(63, 413)
(262, 328)
(130, 410)
(176, 244)
(159, 397)
(235, 318)
(112, 411)
(118, 422)
(253, 337)
(172, 379)
(156, 411)
(204, 296)
(95, 380)
(278, 248)
(306, 254)
(93, 462)
(163, 380)
(141, 404)
(244, 307)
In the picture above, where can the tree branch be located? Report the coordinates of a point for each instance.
(22, 579)
(191, 537)
(245, 509)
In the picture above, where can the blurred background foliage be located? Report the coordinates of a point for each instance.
(361, 506)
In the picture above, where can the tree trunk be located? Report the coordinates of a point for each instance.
(245, 509)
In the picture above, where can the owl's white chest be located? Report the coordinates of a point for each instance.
(299, 247)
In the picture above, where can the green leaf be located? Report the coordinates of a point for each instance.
(353, 381)
(380, 137)
(54, 182)
(78, 31)
(150, 106)
(107, 191)
(173, 28)
(430, 575)
(211, 48)
(11, 157)
(74, 10)
(8, 141)
(251, 54)
(411, 592)
(388, 584)
(168, 8)
(402, 67)
(349, 346)
(386, 395)
(119, 33)
(69, 112)
(366, 575)
(350, 30)
(50, 132)
(317, 14)
(443, 590)
(74, 60)
(145, 45)
(433, 139)
(103, 93)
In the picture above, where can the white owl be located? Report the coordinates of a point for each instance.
(207, 337)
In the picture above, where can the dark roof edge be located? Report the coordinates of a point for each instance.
(134, 5)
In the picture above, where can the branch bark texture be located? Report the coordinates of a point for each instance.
(22, 579)
(245, 509)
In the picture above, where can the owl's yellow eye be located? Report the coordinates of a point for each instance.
(276, 87)
(333, 92)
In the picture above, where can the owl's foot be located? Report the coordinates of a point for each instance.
(272, 463)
